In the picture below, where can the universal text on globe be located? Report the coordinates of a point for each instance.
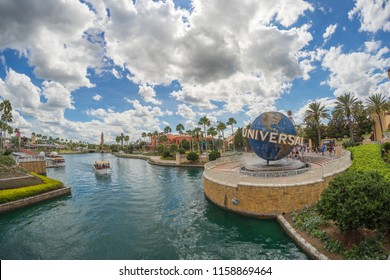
(272, 137)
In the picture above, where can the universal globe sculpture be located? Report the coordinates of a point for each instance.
(272, 136)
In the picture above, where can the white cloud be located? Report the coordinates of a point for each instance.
(21, 92)
(356, 72)
(116, 74)
(55, 36)
(97, 97)
(374, 15)
(148, 94)
(329, 32)
(228, 57)
(372, 46)
(185, 112)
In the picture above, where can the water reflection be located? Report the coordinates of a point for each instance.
(140, 211)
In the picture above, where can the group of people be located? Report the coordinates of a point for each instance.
(331, 148)
(298, 152)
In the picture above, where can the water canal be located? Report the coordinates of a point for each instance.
(140, 211)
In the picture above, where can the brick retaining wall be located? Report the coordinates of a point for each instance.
(38, 167)
(265, 201)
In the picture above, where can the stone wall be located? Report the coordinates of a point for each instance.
(38, 167)
(267, 196)
(264, 201)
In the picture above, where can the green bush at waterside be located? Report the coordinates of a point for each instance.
(368, 158)
(357, 200)
(192, 156)
(181, 151)
(48, 184)
(166, 154)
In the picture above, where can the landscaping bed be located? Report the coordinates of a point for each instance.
(46, 184)
(19, 182)
(352, 218)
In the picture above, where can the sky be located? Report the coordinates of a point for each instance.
(73, 69)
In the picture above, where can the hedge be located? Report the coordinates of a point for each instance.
(368, 158)
(48, 184)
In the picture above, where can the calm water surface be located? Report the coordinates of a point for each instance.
(140, 211)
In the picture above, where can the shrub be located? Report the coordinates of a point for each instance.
(386, 146)
(369, 249)
(181, 151)
(166, 154)
(357, 199)
(160, 149)
(350, 144)
(192, 156)
(214, 155)
(7, 161)
(368, 158)
(308, 220)
(7, 152)
(173, 148)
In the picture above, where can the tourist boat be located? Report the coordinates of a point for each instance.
(54, 160)
(102, 167)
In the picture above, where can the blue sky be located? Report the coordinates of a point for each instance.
(73, 69)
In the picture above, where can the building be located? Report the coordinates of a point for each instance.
(376, 128)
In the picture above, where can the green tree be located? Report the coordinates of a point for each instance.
(196, 132)
(213, 132)
(377, 104)
(6, 116)
(231, 122)
(144, 135)
(167, 130)
(336, 127)
(206, 123)
(356, 200)
(363, 121)
(180, 129)
(221, 128)
(314, 114)
(344, 105)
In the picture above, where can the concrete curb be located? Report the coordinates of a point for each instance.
(173, 164)
(306, 246)
(13, 205)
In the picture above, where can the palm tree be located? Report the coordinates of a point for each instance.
(144, 135)
(127, 138)
(344, 105)
(205, 122)
(315, 113)
(230, 122)
(6, 115)
(150, 137)
(190, 133)
(221, 127)
(378, 104)
(122, 138)
(180, 129)
(213, 132)
(167, 130)
(196, 133)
